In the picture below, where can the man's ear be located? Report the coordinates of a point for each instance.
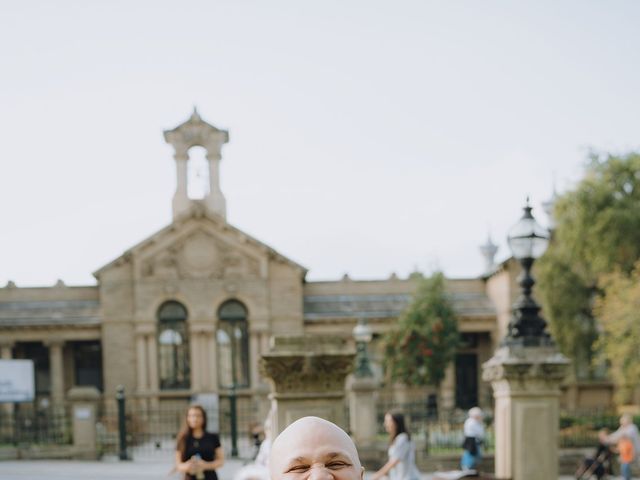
(361, 473)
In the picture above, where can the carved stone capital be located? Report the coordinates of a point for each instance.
(306, 373)
(521, 364)
(307, 364)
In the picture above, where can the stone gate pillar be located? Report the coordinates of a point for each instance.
(84, 413)
(307, 376)
(363, 420)
(526, 387)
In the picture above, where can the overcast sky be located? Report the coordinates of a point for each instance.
(366, 137)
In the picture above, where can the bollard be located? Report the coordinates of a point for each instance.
(122, 424)
(234, 422)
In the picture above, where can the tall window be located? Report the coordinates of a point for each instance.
(40, 355)
(233, 345)
(173, 346)
(87, 362)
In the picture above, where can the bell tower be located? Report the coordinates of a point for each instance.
(195, 132)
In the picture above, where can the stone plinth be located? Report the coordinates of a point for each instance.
(84, 411)
(363, 421)
(307, 376)
(526, 387)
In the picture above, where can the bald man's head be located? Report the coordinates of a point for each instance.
(315, 449)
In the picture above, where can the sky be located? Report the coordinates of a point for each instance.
(367, 137)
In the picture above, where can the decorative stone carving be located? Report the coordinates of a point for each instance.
(307, 376)
(544, 364)
(162, 265)
(294, 374)
(200, 255)
(233, 265)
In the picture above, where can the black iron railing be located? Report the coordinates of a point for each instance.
(22, 425)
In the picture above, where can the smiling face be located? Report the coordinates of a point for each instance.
(314, 449)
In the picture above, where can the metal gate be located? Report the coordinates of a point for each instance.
(134, 430)
(29, 426)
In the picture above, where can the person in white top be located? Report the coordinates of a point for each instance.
(402, 451)
(628, 429)
(473, 437)
(259, 469)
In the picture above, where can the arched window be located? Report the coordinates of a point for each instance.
(173, 346)
(233, 345)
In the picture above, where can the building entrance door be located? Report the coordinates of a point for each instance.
(466, 380)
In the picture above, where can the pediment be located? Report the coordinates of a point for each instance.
(201, 247)
(200, 253)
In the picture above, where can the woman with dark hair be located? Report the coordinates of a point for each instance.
(198, 452)
(402, 452)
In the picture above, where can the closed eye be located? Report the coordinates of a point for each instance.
(337, 465)
(298, 469)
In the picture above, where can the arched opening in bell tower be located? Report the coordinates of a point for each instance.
(197, 173)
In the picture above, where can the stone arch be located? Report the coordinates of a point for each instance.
(248, 303)
(159, 300)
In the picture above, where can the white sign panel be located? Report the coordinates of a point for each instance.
(82, 413)
(16, 381)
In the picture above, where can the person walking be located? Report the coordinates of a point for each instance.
(629, 430)
(473, 437)
(259, 469)
(402, 451)
(626, 454)
(198, 452)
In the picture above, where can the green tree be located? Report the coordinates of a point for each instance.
(618, 310)
(567, 299)
(597, 233)
(425, 339)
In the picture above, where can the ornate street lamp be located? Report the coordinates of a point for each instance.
(527, 241)
(362, 334)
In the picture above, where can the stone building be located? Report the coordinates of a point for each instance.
(190, 309)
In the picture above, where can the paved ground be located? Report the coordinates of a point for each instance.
(152, 469)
